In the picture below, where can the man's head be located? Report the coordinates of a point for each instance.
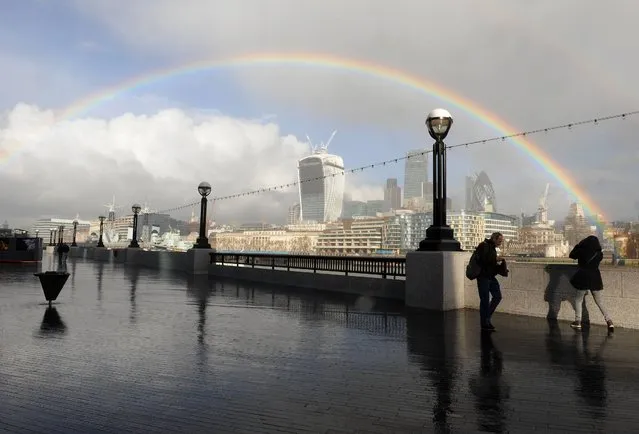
(497, 238)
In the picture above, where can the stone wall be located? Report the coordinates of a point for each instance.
(149, 259)
(531, 289)
(544, 290)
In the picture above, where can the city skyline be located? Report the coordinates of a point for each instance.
(471, 203)
(97, 100)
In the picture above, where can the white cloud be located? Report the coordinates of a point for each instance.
(360, 191)
(77, 165)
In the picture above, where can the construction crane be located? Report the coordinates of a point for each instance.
(542, 211)
(321, 147)
(146, 228)
(330, 139)
(112, 207)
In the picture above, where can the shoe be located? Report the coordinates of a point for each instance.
(488, 327)
(576, 325)
(611, 326)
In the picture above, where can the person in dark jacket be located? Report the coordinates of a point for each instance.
(487, 284)
(588, 278)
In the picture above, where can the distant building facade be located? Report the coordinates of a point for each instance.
(294, 214)
(418, 192)
(392, 195)
(44, 228)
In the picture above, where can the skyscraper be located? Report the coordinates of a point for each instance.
(416, 175)
(392, 195)
(293, 214)
(321, 177)
(480, 194)
(418, 192)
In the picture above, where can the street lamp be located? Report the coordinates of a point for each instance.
(134, 241)
(100, 242)
(54, 236)
(203, 242)
(75, 232)
(61, 235)
(439, 236)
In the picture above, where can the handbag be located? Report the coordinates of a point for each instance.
(593, 257)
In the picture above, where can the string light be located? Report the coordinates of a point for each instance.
(569, 126)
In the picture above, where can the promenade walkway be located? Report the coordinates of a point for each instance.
(137, 350)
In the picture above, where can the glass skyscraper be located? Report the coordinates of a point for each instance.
(321, 187)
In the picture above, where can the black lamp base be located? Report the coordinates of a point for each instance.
(134, 245)
(439, 239)
(202, 243)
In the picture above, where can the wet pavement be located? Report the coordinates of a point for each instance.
(137, 350)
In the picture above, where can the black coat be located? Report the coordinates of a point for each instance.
(487, 259)
(588, 255)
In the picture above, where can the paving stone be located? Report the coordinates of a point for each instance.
(146, 351)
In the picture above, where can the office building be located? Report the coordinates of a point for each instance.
(416, 183)
(321, 186)
(392, 195)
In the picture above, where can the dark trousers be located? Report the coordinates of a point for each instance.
(487, 287)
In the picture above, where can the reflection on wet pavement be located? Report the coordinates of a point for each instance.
(134, 350)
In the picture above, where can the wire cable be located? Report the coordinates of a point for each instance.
(569, 126)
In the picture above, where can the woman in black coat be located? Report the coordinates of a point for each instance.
(588, 277)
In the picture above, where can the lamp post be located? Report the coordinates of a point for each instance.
(54, 237)
(75, 232)
(134, 241)
(203, 242)
(439, 236)
(60, 235)
(100, 242)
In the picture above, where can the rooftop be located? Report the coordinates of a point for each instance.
(135, 350)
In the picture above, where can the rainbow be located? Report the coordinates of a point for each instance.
(331, 62)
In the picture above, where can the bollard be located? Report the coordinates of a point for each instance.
(52, 282)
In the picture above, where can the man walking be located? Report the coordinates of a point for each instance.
(487, 283)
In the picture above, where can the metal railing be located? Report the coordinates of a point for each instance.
(378, 266)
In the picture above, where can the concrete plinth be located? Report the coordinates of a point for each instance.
(102, 254)
(435, 280)
(198, 260)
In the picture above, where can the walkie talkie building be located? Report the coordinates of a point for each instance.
(321, 187)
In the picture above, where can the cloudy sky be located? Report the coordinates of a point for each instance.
(73, 133)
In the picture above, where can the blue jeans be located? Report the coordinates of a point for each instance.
(488, 286)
